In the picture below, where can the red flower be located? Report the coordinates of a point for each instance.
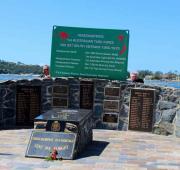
(54, 154)
(63, 35)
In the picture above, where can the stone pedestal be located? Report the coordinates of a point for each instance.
(71, 121)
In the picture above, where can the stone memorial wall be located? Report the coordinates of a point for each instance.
(110, 101)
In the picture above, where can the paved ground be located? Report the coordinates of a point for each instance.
(111, 150)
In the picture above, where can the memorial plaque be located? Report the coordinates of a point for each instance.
(41, 143)
(61, 126)
(28, 104)
(112, 92)
(110, 117)
(111, 105)
(60, 90)
(86, 95)
(141, 109)
(60, 102)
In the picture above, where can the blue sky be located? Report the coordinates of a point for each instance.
(26, 28)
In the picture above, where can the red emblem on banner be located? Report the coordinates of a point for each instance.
(121, 37)
(64, 35)
(122, 50)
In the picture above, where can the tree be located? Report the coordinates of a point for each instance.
(143, 73)
(19, 68)
(157, 75)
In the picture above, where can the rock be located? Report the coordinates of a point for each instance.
(177, 132)
(177, 93)
(177, 122)
(164, 105)
(172, 98)
(98, 109)
(157, 116)
(99, 96)
(178, 101)
(168, 115)
(124, 111)
(123, 124)
(163, 128)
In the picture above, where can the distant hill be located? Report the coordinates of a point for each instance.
(18, 68)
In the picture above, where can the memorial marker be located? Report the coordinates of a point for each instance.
(110, 117)
(28, 104)
(86, 95)
(60, 90)
(60, 102)
(111, 105)
(89, 52)
(112, 92)
(42, 143)
(141, 109)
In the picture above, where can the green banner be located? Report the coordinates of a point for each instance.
(88, 52)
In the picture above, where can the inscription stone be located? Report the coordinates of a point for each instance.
(42, 143)
(141, 109)
(28, 104)
(60, 102)
(60, 90)
(110, 117)
(112, 92)
(86, 95)
(111, 105)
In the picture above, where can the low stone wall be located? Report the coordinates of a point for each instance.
(167, 102)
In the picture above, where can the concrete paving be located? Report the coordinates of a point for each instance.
(110, 150)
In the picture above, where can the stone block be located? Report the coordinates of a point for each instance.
(123, 124)
(164, 105)
(74, 87)
(157, 116)
(62, 81)
(74, 99)
(99, 96)
(36, 82)
(177, 132)
(163, 128)
(23, 82)
(177, 92)
(99, 89)
(98, 109)
(8, 113)
(73, 81)
(172, 98)
(9, 103)
(124, 112)
(177, 122)
(47, 81)
(168, 115)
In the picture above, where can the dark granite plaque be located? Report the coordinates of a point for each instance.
(28, 104)
(110, 118)
(60, 90)
(86, 95)
(112, 92)
(60, 102)
(111, 105)
(141, 109)
(41, 143)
